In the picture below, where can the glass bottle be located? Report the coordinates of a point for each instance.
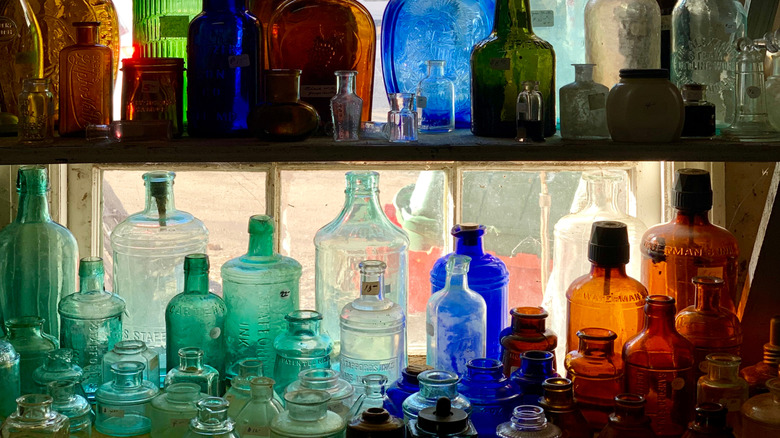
(660, 366)
(500, 63)
(133, 351)
(9, 379)
(91, 321)
(456, 320)
(152, 90)
(239, 392)
(622, 34)
(436, 100)
(530, 116)
(283, 116)
(123, 403)
(172, 410)
(59, 365)
(375, 423)
(38, 256)
(24, 44)
(528, 422)
(757, 375)
(441, 420)
(345, 107)
(536, 367)
(491, 394)
(700, 115)
(402, 118)
(341, 392)
(25, 334)
(149, 249)
(301, 347)
(372, 330)
(689, 245)
(596, 373)
(402, 388)
(192, 369)
(772, 86)
(629, 419)
(130, 131)
(528, 332)
(584, 107)
(561, 410)
(433, 385)
(196, 317)
(361, 231)
(761, 413)
(256, 415)
(67, 402)
(307, 415)
(212, 420)
(86, 81)
(722, 385)
(36, 112)
(224, 52)
(34, 417)
(373, 386)
(710, 422)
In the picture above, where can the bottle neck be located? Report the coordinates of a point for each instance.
(196, 282)
(91, 275)
(87, 35)
(363, 205)
(513, 17)
(283, 86)
(601, 192)
(707, 298)
(723, 371)
(128, 380)
(191, 361)
(307, 412)
(470, 244)
(34, 407)
(372, 286)
(159, 198)
(304, 328)
(262, 391)
(583, 73)
(433, 391)
(629, 414)
(345, 83)
(457, 281)
(436, 69)
(597, 348)
(33, 207)
(537, 366)
(24, 332)
(486, 372)
(659, 318)
(690, 217)
(607, 272)
(261, 245)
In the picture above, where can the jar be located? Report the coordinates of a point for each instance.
(36, 112)
(152, 89)
(644, 107)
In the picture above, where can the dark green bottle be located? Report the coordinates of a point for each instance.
(499, 65)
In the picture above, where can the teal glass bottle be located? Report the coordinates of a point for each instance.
(255, 418)
(27, 338)
(91, 322)
(123, 403)
(191, 369)
(259, 288)
(35, 418)
(212, 420)
(239, 392)
(72, 405)
(59, 365)
(307, 415)
(196, 317)
(301, 347)
(171, 411)
(37, 255)
(9, 379)
(133, 351)
(433, 385)
(342, 394)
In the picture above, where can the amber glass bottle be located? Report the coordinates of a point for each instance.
(596, 373)
(606, 297)
(660, 367)
(710, 422)
(629, 419)
(689, 246)
(529, 332)
(757, 375)
(86, 82)
(558, 403)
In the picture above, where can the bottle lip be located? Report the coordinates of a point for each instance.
(127, 368)
(630, 399)
(484, 364)
(596, 334)
(159, 176)
(303, 316)
(723, 359)
(537, 355)
(345, 73)
(190, 352)
(262, 381)
(708, 280)
(131, 345)
(153, 63)
(318, 375)
(437, 377)
(284, 72)
(530, 312)
(25, 321)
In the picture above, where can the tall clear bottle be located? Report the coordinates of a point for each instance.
(32, 344)
(34, 417)
(361, 231)
(23, 44)
(307, 416)
(123, 402)
(255, 418)
(149, 249)
(212, 420)
(436, 100)
(301, 347)
(345, 107)
(584, 106)
(9, 378)
(172, 411)
(67, 402)
(38, 256)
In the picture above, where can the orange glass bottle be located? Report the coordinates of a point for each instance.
(629, 419)
(86, 82)
(606, 297)
(689, 246)
(711, 328)
(529, 332)
(660, 366)
(596, 373)
(757, 375)
(560, 409)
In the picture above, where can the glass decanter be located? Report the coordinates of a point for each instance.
(133, 351)
(772, 86)
(307, 415)
(25, 46)
(722, 385)
(196, 317)
(561, 410)
(535, 368)
(436, 100)
(341, 392)
(584, 107)
(710, 422)
(528, 422)
(527, 332)
(192, 369)
(402, 388)
(433, 385)
(530, 114)
(757, 375)
(59, 365)
(91, 321)
(38, 256)
(491, 394)
(36, 112)
(123, 403)
(9, 379)
(301, 347)
(629, 419)
(402, 118)
(239, 392)
(283, 116)
(172, 410)
(149, 249)
(212, 420)
(256, 415)
(34, 417)
(66, 401)
(345, 107)
(375, 422)
(441, 420)
(761, 413)
(32, 344)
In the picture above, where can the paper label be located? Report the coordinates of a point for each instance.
(255, 431)
(370, 288)
(174, 26)
(422, 102)
(8, 29)
(318, 91)
(542, 19)
(151, 87)
(112, 412)
(597, 101)
(500, 64)
(215, 333)
(731, 28)
(753, 92)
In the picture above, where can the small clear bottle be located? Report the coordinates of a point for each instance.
(528, 332)
(34, 417)
(212, 420)
(723, 385)
(255, 417)
(172, 410)
(537, 366)
(402, 388)
(442, 420)
(27, 337)
(307, 415)
(401, 118)
(301, 347)
(123, 403)
(9, 379)
(629, 419)
(761, 414)
(492, 395)
(239, 392)
(530, 122)
(709, 422)
(433, 385)
(584, 106)
(436, 100)
(36, 112)
(699, 114)
(59, 365)
(528, 422)
(191, 369)
(346, 107)
(78, 410)
(342, 394)
(561, 409)
(133, 351)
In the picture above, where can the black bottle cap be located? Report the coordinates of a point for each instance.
(644, 73)
(692, 190)
(443, 419)
(609, 243)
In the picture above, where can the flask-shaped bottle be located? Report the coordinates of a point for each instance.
(402, 388)
(710, 422)
(67, 402)
(528, 421)
(345, 107)
(561, 410)
(212, 420)
(133, 351)
(722, 385)
(436, 100)
(491, 394)
(629, 419)
(123, 402)
(301, 347)
(172, 410)
(434, 384)
(307, 414)
(192, 369)
(9, 378)
(536, 367)
(32, 345)
(255, 417)
(25, 51)
(761, 413)
(342, 394)
(283, 116)
(757, 375)
(527, 332)
(34, 417)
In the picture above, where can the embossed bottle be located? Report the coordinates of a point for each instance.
(22, 42)
(346, 107)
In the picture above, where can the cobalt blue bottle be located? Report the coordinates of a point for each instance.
(223, 50)
(492, 395)
(488, 277)
(402, 388)
(536, 367)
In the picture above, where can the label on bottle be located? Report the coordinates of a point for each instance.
(254, 431)
(710, 271)
(753, 92)
(500, 63)
(542, 19)
(352, 370)
(422, 101)
(236, 61)
(215, 333)
(179, 422)
(666, 22)
(152, 87)
(597, 101)
(429, 330)
(8, 29)
(370, 288)
(318, 91)
(285, 294)
(174, 26)
(112, 412)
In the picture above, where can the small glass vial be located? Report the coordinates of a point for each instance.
(530, 123)
(33, 345)
(255, 418)
(629, 419)
(375, 423)
(171, 411)
(529, 331)
(212, 420)
(374, 394)
(584, 106)
(401, 118)
(709, 422)
(191, 369)
(123, 403)
(307, 415)
(433, 385)
(345, 107)
(528, 422)
(699, 114)
(239, 392)
(73, 406)
(34, 417)
(723, 385)
(133, 350)
(341, 392)
(436, 100)
(9, 379)
(36, 112)
(302, 347)
(442, 420)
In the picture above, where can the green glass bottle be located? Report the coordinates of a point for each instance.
(501, 63)
(33, 346)
(67, 402)
(37, 255)
(9, 379)
(301, 347)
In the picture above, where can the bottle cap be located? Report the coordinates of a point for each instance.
(609, 243)
(411, 372)
(692, 190)
(375, 415)
(443, 419)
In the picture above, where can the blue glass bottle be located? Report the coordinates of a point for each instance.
(409, 26)
(492, 395)
(536, 367)
(488, 276)
(436, 100)
(9, 379)
(402, 388)
(224, 48)
(433, 385)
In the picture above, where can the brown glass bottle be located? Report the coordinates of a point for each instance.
(689, 246)
(629, 419)
(757, 375)
(375, 423)
(86, 82)
(596, 373)
(561, 410)
(283, 116)
(529, 332)
(660, 367)
(710, 422)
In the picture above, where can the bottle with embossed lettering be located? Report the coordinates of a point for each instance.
(255, 418)
(345, 107)
(36, 112)
(86, 82)
(123, 403)
(192, 369)
(133, 351)
(301, 347)
(172, 410)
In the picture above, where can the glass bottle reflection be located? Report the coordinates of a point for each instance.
(255, 418)
(36, 112)
(345, 107)
(32, 345)
(78, 410)
(192, 369)
(34, 417)
(300, 348)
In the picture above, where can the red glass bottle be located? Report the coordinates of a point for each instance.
(710, 422)
(629, 419)
(529, 332)
(757, 375)
(660, 366)
(560, 409)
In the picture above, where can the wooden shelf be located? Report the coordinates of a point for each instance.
(457, 146)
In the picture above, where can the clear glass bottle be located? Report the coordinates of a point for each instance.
(36, 112)
(25, 334)
(528, 421)
(307, 415)
(374, 395)
(723, 385)
(700, 115)
(212, 420)
(436, 100)
(123, 403)
(361, 231)
(59, 365)
(34, 417)
(441, 420)
(196, 317)
(192, 369)
(710, 422)
(132, 131)
(772, 86)
(301, 347)
(91, 321)
(255, 417)
(38, 256)
(375, 422)
(761, 413)
(629, 419)
(346, 107)
(133, 351)
(67, 402)
(23, 44)
(491, 394)
(172, 410)
(433, 385)
(561, 410)
(9, 379)
(402, 388)
(402, 118)
(536, 367)
(757, 375)
(342, 394)
(283, 116)
(530, 114)
(527, 332)
(149, 249)
(239, 392)
(584, 107)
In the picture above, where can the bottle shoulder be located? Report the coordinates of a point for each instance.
(145, 230)
(671, 351)
(184, 300)
(91, 304)
(272, 269)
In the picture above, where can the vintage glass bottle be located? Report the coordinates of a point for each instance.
(761, 413)
(34, 417)
(196, 317)
(527, 332)
(59, 365)
(710, 422)
(433, 385)
(530, 113)
(528, 421)
(402, 118)
(24, 44)
(491, 394)
(67, 402)
(535, 368)
(342, 394)
(192, 369)
(660, 366)
(487, 276)
(172, 410)
(561, 410)
(596, 372)
(373, 388)
(345, 107)
(629, 419)
(25, 334)
(86, 82)
(301, 347)
(133, 351)
(239, 392)
(149, 249)
(307, 416)
(38, 256)
(255, 417)
(722, 385)
(584, 107)
(456, 320)
(436, 100)
(123, 403)
(212, 420)
(402, 388)
(9, 378)
(757, 375)
(700, 115)
(283, 116)
(36, 112)
(441, 420)
(361, 231)
(689, 245)
(91, 321)
(376, 423)
(500, 63)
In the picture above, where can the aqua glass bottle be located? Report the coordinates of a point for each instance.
(70, 404)
(25, 335)
(192, 369)
(301, 347)
(59, 365)
(239, 392)
(259, 289)
(171, 411)
(342, 394)
(91, 322)
(492, 395)
(455, 320)
(536, 367)
(212, 420)
(436, 100)
(255, 418)
(196, 317)
(433, 385)
(488, 276)
(307, 416)
(123, 403)
(149, 249)
(34, 417)
(401, 389)
(38, 256)
(9, 379)
(133, 351)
